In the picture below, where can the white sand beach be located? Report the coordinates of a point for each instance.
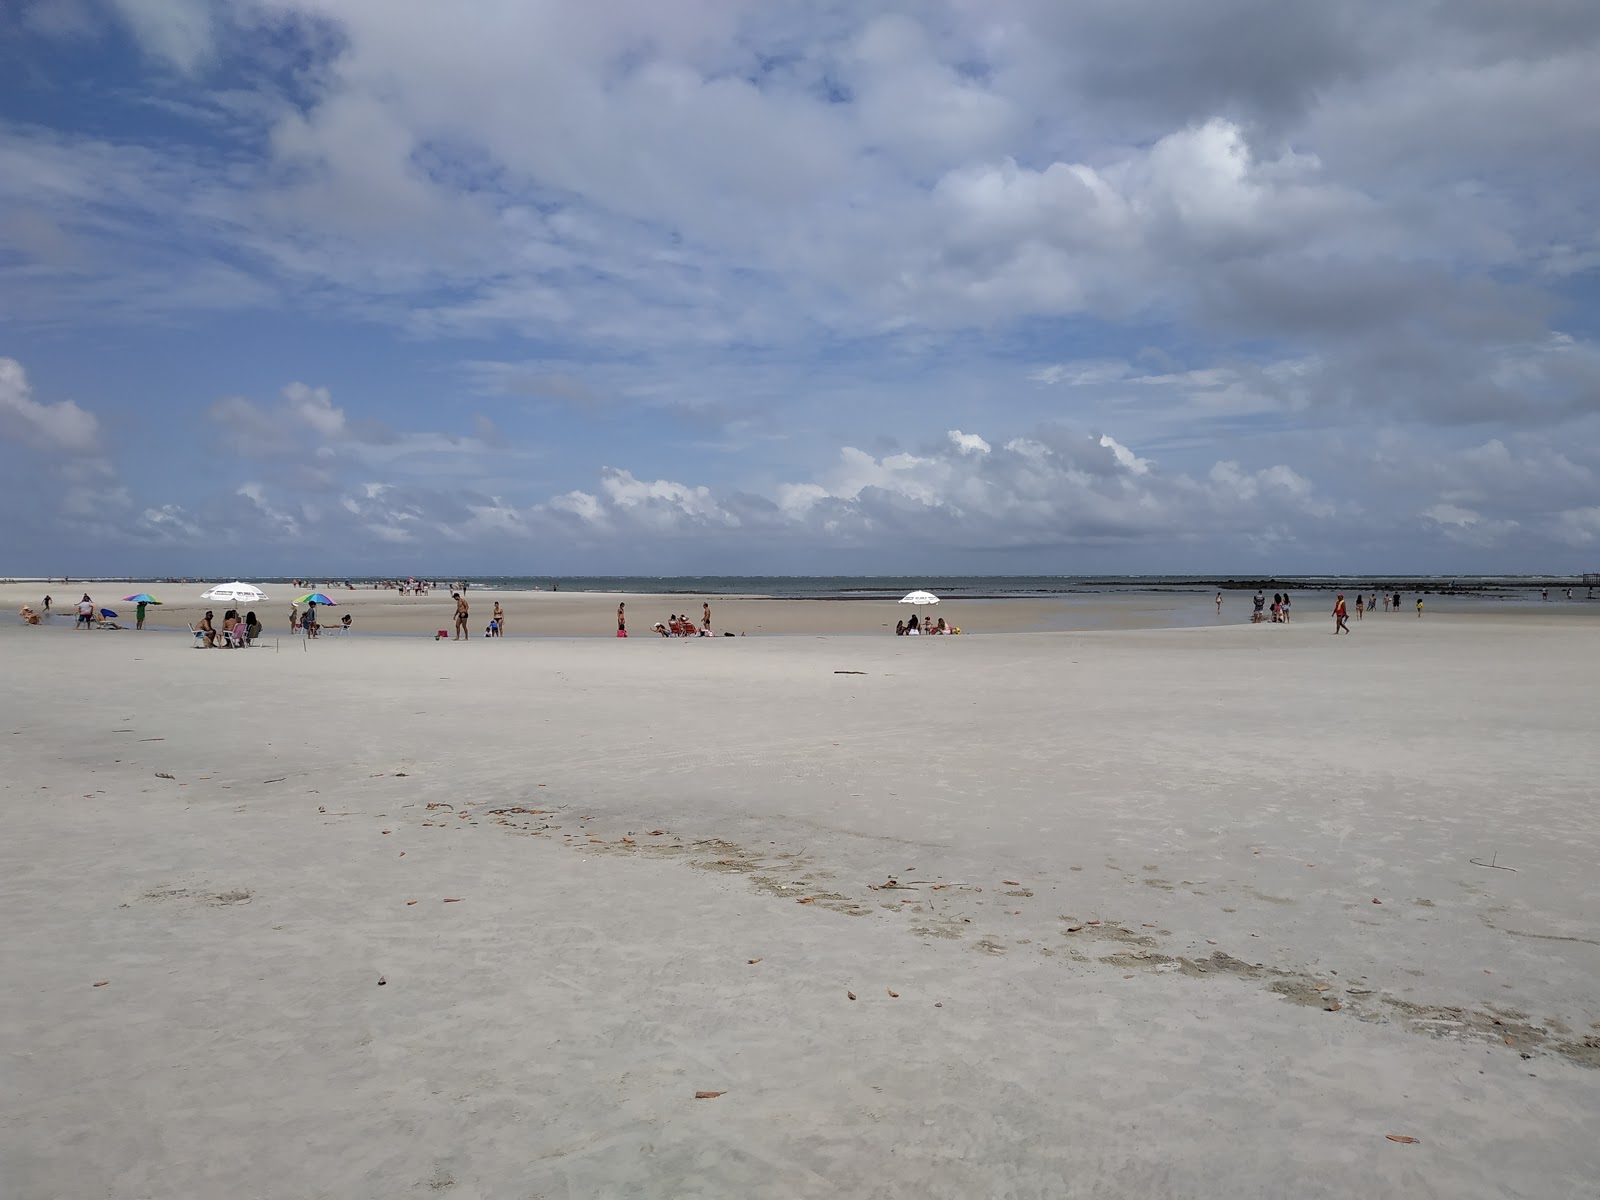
(1183, 913)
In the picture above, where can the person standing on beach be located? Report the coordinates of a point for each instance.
(1419, 608)
(138, 615)
(705, 616)
(1361, 605)
(622, 619)
(1340, 616)
(86, 612)
(499, 619)
(461, 616)
(1286, 608)
(1219, 604)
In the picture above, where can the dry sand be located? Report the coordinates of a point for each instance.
(1134, 948)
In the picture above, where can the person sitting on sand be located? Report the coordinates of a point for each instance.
(940, 628)
(661, 628)
(899, 629)
(912, 626)
(28, 615)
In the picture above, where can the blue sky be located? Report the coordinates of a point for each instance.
(304, 286)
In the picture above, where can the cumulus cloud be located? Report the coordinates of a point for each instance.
(1255, 257)
(62, 427)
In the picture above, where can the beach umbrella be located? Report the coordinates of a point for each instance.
(142, 598)
(316, 598)
(244, 593)
(106, 612)
(919, 598)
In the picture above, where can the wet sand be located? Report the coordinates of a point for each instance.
(1121, 885)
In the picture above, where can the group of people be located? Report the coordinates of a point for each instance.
(306, 622)
(1364, 605)
(236, 631)
(915, 628)
(1281, 606)
(676, 625)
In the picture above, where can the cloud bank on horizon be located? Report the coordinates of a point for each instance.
(727, 286)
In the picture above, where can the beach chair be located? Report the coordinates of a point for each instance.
(199, 637)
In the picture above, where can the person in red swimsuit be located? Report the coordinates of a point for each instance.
(1340, 616)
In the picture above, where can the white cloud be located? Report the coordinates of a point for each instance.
(180, 32)
(1466, 526)
(62, 427)
(968, 443)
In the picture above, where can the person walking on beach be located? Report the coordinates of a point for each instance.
(622, 619)
(1219, 604)
(499, 619)
(705, 616)
(47, 606)
(1340, 616)
(1419, 608)
(461, 616)
(1361, 605)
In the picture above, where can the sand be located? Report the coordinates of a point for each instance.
(577, 614)
(1133, 942)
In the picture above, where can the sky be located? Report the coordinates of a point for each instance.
(524, 287)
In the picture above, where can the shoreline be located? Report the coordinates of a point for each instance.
(593, 614)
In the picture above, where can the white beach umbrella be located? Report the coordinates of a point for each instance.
(239, 593)
(919, 598)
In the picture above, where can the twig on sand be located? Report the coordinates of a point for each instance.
(1478, 862)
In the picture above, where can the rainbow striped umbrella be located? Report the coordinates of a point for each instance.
(316, 598)
(142, 598)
